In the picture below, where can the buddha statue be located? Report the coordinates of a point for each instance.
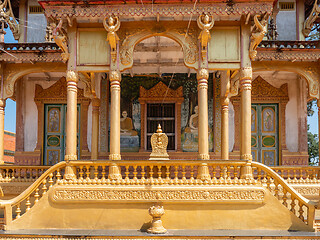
(193, 122)
(126, 125)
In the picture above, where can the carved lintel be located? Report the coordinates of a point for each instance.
(112, 24)
(61, 40)
(258, 32)
(205, 23)
(308, 23)
(6, 14)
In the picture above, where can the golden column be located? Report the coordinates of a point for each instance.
(202, 77)
(2, 106)
(71, 138)
(245, 118)
(71, 141)
(115, 79)
(95, 128)
(225, 88)
(203, 143)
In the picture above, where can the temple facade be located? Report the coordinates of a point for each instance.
(227, 83)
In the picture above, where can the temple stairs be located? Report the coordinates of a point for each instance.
(195, 195)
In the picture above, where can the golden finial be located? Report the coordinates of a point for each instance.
(159, 130)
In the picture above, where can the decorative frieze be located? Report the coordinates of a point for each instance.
(94, 194)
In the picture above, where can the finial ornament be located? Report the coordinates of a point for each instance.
(156, 211)
(159, 143)
(112, 24)
(258, 32)
(205, 23)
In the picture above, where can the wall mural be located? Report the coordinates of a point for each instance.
(130, 138)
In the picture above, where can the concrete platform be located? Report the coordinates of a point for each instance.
(171, 234)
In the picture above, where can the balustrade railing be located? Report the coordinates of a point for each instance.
(295, 202)
(30, 46)
(173, 172)
(10, 173)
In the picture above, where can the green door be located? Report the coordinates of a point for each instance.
(55, 134)
(264, 134)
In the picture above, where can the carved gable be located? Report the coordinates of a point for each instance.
(263, 89)
(57, 91)
(159, 91)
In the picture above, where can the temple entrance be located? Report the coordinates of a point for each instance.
(55, 133)
(264, 133)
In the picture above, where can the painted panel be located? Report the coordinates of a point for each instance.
(93, 48)
(224, 45)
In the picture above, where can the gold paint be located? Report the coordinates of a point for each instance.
(61, 40)
(205, 24)
(112, 25)
(156, 212)
(258, 33)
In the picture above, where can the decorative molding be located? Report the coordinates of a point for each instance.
(94, 194)
(308, 23)
(307, 190)
(301, 55)
(34, 56)
(167, 10)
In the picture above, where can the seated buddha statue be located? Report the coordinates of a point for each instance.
(193, 122)
(126, 125)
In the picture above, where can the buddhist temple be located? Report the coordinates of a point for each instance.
(170, 119)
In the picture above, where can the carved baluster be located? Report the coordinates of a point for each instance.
(276, 189)
(191, 175)
(214, 173)
(301, 176)
(307, 175)
(259, 175)
(50, 180)
(268, 182)
(19, 175)
(293, 204)
(103, 178)
(294, 176)
(151, 174)
(36, 196)
(301, 211)
(282, 173)
(28, 204)
(159, 174)
(58, 176)
(96, 174)
(18, 211)
(126, 179)
(81, 173)
(7, 175)
(88, 180)
(184, 179)
(143, 174)
(176, 174)
(135, 173)
(37, 174)
(228, 172)
(284, 198)
(314, 177)
(168, 173)
(44, 186)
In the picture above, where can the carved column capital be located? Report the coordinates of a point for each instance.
(72, 76)
(2, 103)
(225, 103)
(95, 102)
(202, 74)
(245, 78)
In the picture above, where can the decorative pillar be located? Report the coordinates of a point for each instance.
(225, 88)
(179, 149)
(245, 117)
(115, 79)
(2, 106)
(143, 131)
(203, 144)
(95, 128)
(71, 130)
(224, 128)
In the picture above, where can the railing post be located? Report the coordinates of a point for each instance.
(311, 216)
(7, 214)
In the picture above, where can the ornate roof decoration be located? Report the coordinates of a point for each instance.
(148, 10)
(261, 88)
(159, 91)
(57, 91)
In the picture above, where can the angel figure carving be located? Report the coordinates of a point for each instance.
(61, 40)
(205, 24)
(112, 25)
(258, 33)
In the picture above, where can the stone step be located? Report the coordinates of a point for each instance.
(62, 234)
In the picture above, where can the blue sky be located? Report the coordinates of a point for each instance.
(10, 110)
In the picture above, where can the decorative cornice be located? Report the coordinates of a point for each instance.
(159, 91)
(167, 10)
